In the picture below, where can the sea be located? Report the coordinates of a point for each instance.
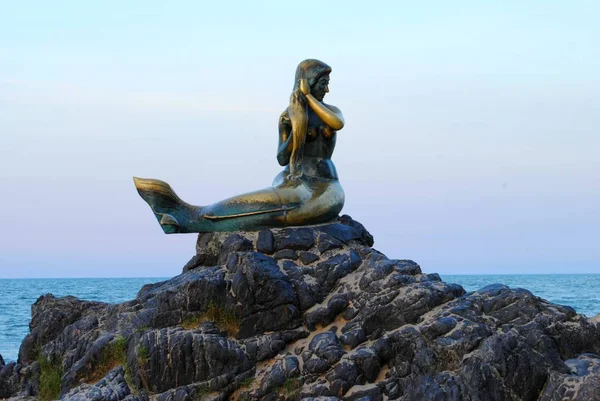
(581, 291)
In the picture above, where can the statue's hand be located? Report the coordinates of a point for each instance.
(304, 86)
(298, 98)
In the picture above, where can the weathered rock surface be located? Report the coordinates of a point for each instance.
(9, 378)
(112, 387)
(306, 313)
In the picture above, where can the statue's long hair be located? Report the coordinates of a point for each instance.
(311, 70)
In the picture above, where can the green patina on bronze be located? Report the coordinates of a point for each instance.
(307, 191)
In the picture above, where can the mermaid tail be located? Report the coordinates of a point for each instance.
(168, 208)
(290, 202)
(176, 216)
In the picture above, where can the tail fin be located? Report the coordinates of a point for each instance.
(163, 201)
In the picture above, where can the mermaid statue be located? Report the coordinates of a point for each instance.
(307, 191)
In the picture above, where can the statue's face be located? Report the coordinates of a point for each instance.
(321, 87)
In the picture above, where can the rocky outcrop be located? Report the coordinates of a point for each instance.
(306, 313)
(582, 382)
(9, 378)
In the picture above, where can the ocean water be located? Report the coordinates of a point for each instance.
(17, 296)
(579, 291)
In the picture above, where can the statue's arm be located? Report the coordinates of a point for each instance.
(330, 115)
(284, 149)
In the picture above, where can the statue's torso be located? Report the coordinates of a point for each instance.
(318, 149)
(320, 138)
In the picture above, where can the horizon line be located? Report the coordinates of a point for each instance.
(168, 277)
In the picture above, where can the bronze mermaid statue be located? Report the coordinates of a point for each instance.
(307, 191)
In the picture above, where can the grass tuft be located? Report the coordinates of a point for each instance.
(111, 356)
(247, 382)
(291, 388)
(192, 322)
(129, 380)
(201, 391)
(142, 355)
(142, 359)
(50, 378)
(223, 318)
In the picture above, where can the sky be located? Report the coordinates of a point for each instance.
(471, 142)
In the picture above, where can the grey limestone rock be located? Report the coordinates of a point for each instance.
(112, 387)
(282, 370)
(310, 313)
(308, 257)
(580, 383)
(286, 254)
(10, 382)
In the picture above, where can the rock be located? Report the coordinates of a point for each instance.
(353, 336)
(286, 254)
(207, 249)
(282, 370)
(347, 230)
(309, 313)
(265, 242)
(327, 243)
(364, 393)
(298, 239)
(233, 244)
(367, 361)
(325, 315)
(49, 317)
(342, 377)
(113, 387)
(267, 346)
(316, 390)
(172, 357)
(323, 352)
(9, 380)
(265, 296)
(581, 383)
(195, 262)
(308, 257)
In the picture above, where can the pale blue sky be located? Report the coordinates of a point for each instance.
(471, 142)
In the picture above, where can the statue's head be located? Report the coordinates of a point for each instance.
(317, 74)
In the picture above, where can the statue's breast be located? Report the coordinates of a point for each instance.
(317, 128)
